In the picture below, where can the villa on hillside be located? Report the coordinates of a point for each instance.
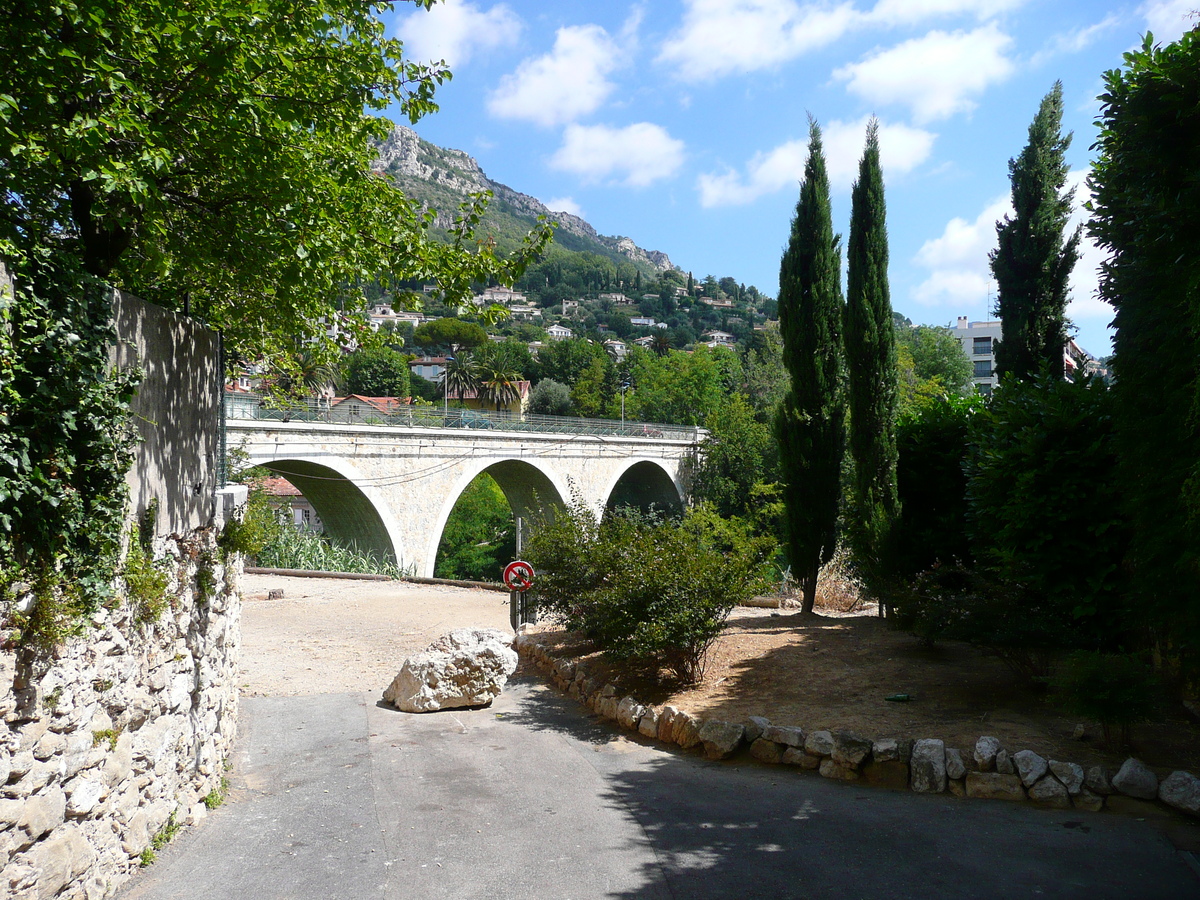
(558, 332)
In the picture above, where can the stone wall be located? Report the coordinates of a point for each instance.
(925, 766)
(124, 732)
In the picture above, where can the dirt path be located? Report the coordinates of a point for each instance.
(329, 635)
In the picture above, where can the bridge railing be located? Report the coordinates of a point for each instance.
(350, 412)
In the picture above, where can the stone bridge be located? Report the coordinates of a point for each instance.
(389, 489)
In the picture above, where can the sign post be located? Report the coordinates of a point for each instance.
(518, 578)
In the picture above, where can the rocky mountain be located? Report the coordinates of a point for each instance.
(441, 178)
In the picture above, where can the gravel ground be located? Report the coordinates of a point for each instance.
(331, 635)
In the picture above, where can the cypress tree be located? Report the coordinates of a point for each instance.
(871, 359)
(810, 421)
(1146, 212)
(1033, 260)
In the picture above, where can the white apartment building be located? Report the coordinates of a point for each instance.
(979, 340)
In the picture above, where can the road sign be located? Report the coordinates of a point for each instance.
(518, 575)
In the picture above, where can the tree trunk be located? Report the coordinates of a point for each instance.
(808, 589)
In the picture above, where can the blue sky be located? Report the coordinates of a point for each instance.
(683, 123)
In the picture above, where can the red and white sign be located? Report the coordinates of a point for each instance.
(518, 576)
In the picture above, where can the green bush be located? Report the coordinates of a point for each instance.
(1117, 690)
(653, 593)
(1045, 504)
(479, 537)
(931, 529)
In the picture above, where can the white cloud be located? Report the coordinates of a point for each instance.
(1075, 41)
(901, 149)
(568, 82)
(453, 30)
(636, 155)
(720, 37)
(936, 75)
(1169, 19)
(907, 11)
(960, 275)
(564, 204)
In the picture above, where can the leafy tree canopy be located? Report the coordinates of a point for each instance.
(450, 333)
(377, 372)
(217, 153)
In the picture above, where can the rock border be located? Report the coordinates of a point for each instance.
(925, 766)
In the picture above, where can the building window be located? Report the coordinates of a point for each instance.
(985, 389)
(983, 368)
(983, 346)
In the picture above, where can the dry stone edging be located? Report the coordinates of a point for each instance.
(927, 765)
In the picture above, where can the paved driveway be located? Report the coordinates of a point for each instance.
(335, 796)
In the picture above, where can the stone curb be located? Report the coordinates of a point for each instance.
(925, 766)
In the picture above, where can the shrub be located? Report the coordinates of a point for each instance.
(931, 529)
(1044, 502)
(654, 593)
(1117, 690)
(550, 398)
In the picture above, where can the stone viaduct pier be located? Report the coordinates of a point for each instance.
(389, 488)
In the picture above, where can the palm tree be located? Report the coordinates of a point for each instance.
(461, 376)
(661, 344)
(498, 383)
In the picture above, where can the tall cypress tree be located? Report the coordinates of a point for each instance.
(1034, 260)
(810, 421)
(871, 359)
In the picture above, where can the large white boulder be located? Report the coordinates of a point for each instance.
(467, 667)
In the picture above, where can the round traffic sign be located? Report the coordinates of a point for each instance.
(518, 575)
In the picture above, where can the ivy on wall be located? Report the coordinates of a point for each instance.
(66, 442)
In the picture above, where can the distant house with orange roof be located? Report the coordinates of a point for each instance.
(281, 492)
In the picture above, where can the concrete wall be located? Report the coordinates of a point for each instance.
(177, 411)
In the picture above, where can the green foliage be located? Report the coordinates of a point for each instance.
(66, 441)
(292, 548)
(550, 398)
(145, 582)
(479, 539)
(932, 447)
(192, 151)
(653, 593)
(377, 372)
(449, 333)
(737, 454)
(1115, 689)
(1033, 262)
(680, 388)
(1045, 504)
(930, 362)
(871, 363)
(810, 422)
(765, 380)
(216, 796)
(1146, 212)
(108, 736)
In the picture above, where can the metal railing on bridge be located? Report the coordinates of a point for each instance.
(398, 414)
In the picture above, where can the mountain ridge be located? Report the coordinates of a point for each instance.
(435, 175)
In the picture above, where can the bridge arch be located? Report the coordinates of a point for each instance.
(528, 488)
(645, 485)
(351, 509)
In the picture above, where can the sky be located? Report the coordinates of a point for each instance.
(683, 124)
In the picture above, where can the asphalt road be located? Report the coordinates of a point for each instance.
(335, 796)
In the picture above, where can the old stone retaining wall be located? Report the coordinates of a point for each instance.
(123, 733)
(988, 770)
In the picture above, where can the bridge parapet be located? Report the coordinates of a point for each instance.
(389, 412)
